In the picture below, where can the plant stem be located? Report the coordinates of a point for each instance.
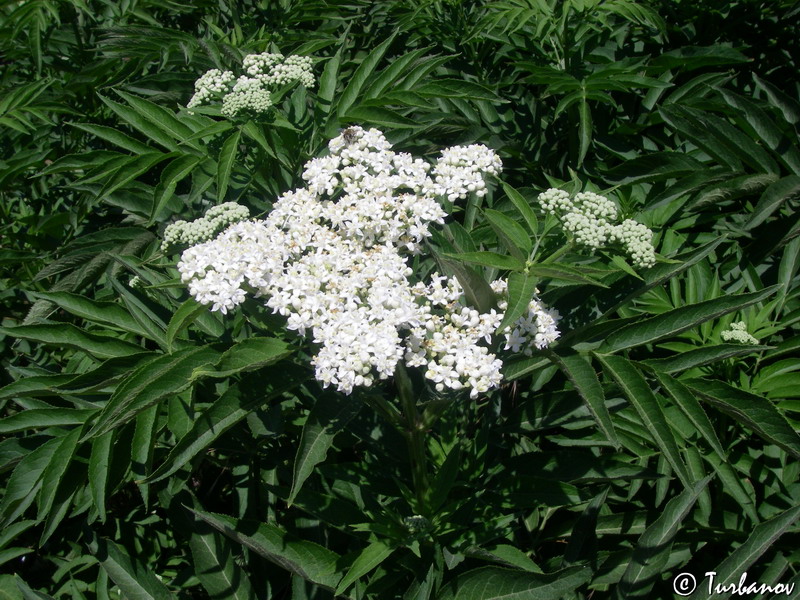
(558, 253)
(414, 432)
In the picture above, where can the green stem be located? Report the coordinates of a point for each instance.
(414, 433)
(559, 253)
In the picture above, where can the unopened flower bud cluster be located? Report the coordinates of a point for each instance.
(211, 84)
(738, 333)
(250, 93)
(332, 258)
(206, 227)
(591, 220)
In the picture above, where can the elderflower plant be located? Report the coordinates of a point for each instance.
(332, 257)
(591, 220)
(251, 93)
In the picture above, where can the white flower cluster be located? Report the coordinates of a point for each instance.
(215, 220)
(210, 85)
(538, 327)
(738, 333)
(590, 219)
(332, 258)
(446, 344)
(275, 70)
(250, 92)
(460, 171)
(247, 94)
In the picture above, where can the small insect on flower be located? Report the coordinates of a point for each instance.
(350, 135)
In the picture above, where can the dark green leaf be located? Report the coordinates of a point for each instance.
(751, 410)
(690, 407)
(522, 205)
(135, 580)
(107, 313)
(172, 174)
(510, 233)
(521, 287)
(38, 418)
(369, 558)
(680, 319)
(759, 541)
(306, 559)
(225, 163)
(329, 415)
(489, 259)
(247, 355)
(639, 394)
(362, 73)
(782, 191)
(234, 405)
(583, 377)
(651, 554)
(69, 336)
(162, 377)
(495, 583)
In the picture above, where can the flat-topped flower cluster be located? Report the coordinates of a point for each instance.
(332, 258)
(251, 92)
(591, 221)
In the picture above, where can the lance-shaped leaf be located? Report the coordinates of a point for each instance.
(705, 355)
(751, 410)
(227, 156)
(781, 192)
(369, 558)
(164, 376)
(495, 583)
(99, 462)
(236, 403)
(107, 313)
(582, 375)
(247, 355)
(760, 540)
(489, 259)
(511, 233)
(521, 204)
(521, 287)
(362, 73)
(172, 174)
(215, 567)
(38, 418)
(310, 561)
(135, 580)
(53, 475)
(690, 407)
(562, 273)
(639, 394)
(69, 336)
(679, 320)
(183, 317)
(330, 414)
(651, 554)
(25, 482)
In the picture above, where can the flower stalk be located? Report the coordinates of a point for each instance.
(414, 433)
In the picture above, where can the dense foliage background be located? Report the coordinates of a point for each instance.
(153, 449)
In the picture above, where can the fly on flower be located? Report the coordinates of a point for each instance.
(350, 135)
